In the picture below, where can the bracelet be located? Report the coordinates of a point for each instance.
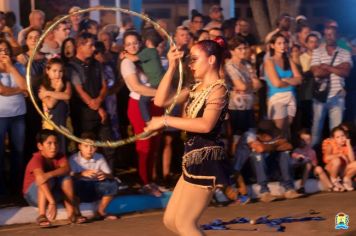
(165, 121)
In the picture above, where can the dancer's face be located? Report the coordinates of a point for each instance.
(199, 63)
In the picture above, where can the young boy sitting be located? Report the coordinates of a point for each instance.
(92, 176)
(47, 180)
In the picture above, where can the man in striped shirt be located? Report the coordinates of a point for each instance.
(338, 71)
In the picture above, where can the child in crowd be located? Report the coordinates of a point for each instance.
(47, 181)
(92, 176)
(151, 65)
(339, 158)
(304, 156)
(55, 93)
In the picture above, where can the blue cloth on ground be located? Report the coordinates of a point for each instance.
(133, 203)
(274, 223)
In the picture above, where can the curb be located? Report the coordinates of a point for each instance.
(23, 215)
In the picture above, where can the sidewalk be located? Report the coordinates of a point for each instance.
(21, 215)
(326, 205)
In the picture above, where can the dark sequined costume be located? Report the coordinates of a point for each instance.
(205, 162)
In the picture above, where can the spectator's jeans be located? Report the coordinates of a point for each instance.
(91, 190)
(259, 161)
(15, 128)
(335, 106)
(350, 107)
(55, 185)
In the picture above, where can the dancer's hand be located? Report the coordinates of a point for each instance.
(173, 55)
(156, 123)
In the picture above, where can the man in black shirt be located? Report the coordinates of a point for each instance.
(87, 111)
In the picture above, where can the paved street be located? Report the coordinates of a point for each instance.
(149, 224)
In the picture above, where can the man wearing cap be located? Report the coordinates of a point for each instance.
(283, 26)
(330, 61)
(216, 17)
(37, 19)
(302, 31)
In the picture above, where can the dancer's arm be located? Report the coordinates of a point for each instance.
(204, 124)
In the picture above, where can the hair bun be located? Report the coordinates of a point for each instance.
(221, 41)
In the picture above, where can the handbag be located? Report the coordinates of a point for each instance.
(321, 86)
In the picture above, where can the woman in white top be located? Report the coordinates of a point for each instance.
(135, 81)
(12, 111)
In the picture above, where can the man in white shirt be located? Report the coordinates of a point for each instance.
(322, 67)
(37, 19)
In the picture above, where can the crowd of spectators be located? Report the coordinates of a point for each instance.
(283, 89)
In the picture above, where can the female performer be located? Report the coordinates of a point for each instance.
(204, 162)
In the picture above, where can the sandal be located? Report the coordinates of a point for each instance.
(99, 217)
(43, 221)
(77, 219)
(337, 186)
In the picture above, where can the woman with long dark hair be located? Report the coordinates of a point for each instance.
(282, 76)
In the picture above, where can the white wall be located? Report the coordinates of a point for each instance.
(11, 5)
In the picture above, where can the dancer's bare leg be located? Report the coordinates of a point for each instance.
(167, 155)
(169, 218)
(192, 204)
